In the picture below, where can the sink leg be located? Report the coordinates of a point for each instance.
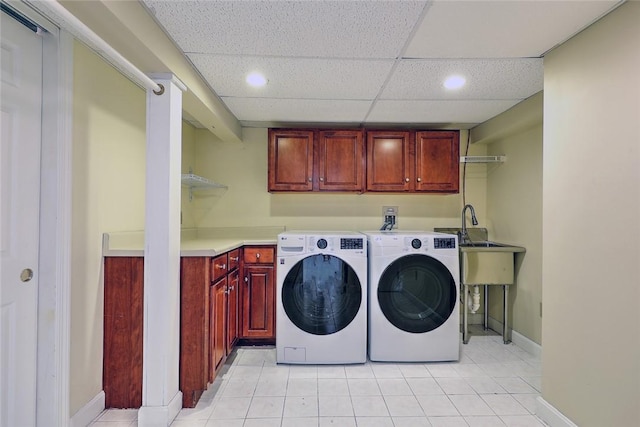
(486, 307)
(506, 338)
(465, 330)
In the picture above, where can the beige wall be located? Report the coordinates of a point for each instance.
(514, 208)
(243, 167)
(108, 195)
(591, 224)
(188, 164)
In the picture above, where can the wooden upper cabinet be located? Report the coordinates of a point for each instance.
(437, 161)
(316, 160)
(290, 160)
(389, 161)
(341, 160)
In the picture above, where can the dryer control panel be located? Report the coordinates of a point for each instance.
(291, 243)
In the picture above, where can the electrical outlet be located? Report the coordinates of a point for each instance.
(390, 215)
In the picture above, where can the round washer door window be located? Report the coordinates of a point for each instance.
(321, 294)
(417, 293)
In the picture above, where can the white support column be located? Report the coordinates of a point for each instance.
(161, 399)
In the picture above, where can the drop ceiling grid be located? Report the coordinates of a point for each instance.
(305, 78)
(298, 110)
(489, 79)
(501, 29)
(444, 111)
(338, 29)
(343, 61)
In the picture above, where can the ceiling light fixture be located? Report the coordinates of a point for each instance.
(454, 82)
(256, 79)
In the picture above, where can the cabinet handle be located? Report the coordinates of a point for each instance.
(230, 288)
(234, 258)
(221, 266)
(406, 179)
(419, 179)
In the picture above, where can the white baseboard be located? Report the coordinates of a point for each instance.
(155, 416)
(89, 412)
(518, 339)
(550, 415)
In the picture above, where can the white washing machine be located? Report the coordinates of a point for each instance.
(321, 299)
(414, 282)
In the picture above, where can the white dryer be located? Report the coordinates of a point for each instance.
(321, 299)
(414, 282)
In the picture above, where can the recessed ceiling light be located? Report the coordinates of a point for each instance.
(454, 82)
(256, 79)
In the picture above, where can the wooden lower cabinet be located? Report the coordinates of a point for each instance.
(232, 310)
(194, 328)
(258, 294)
(123, 311)
(217, 310)
(217, 326)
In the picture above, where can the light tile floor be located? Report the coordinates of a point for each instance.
(492, 385)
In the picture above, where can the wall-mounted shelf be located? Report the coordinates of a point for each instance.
(483, 159)
(197, 182)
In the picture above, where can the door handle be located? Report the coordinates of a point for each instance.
(26, 275)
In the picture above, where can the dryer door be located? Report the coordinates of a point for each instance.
(417, 293)
(321, 294)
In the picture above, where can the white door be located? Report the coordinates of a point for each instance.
(20, 126)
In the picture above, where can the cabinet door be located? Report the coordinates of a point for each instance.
(123, 313)
(258, 300)
(341, 160)
(232, 309)
(388, 161)
(290, 160)
(217, 328)
(437, 161)
(194, 328)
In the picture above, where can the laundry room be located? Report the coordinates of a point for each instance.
(219, 247)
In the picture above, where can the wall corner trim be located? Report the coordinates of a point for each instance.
(88, 412)
(550, 415)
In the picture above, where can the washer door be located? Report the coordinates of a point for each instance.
(321, 294)
(417, 293)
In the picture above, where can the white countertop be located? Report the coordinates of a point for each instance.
(193, 242)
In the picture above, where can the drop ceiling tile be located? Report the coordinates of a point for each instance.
(496, 29)
(437, 111)
(377, 29)
(485, 79)
(297, 110)
(294, 77)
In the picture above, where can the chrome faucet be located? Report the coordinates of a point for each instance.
(464, 234)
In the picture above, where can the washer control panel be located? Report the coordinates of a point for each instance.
(352, 243)
(444, 243)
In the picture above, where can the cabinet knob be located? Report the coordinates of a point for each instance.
(321, 179)
(419, 179)
(246, 279)
(258, 255)
(406, 179)
(309, 179)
